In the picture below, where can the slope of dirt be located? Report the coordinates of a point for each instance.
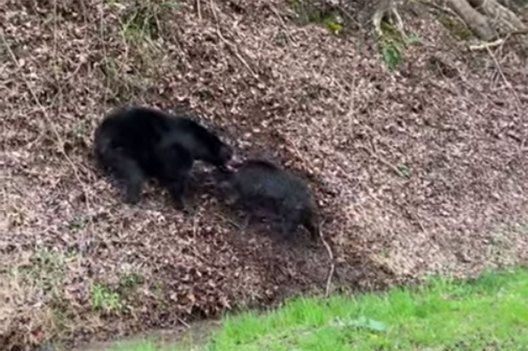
(418, 171)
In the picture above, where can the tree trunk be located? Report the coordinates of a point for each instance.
(503, 19)
(477, 22)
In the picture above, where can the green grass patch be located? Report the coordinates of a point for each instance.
(393, 44)
(488, 313)
(105, 299)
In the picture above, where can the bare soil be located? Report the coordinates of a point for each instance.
(418, 171)
(195, 335)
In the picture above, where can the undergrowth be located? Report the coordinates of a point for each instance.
(393, 43)
(105, 299)
(489, 313)
(307, 12)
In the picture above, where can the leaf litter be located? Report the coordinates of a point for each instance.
(418, 171)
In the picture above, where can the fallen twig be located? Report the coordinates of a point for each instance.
(506, 81)
(487, 45)
(348, 15)
(199, 9)
(332, 264)
(442, 9)
(284, 27)
(184, 323)
(497, 41)
(232, 47)
(382, 160)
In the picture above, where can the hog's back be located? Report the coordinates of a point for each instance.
(272, 187)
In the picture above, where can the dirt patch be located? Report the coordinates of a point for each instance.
(196, 334)
(418, 171)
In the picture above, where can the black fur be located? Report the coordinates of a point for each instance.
(134, 142)
(260, 186)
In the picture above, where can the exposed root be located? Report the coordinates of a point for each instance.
(497, 42)
(500, 17)
(387, 9)
(487, 19)
(199, 9)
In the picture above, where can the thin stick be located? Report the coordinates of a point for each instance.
(443, 9)
(199, 9)
(196, 221)
(184, 323)
(348, 15)
(498, 41)
(231, 46)
(487, 45)
(284, 27)
(332, 264)
(382, 160)
(506, 81)
(105, 58)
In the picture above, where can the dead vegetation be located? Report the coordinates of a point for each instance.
(422, 170)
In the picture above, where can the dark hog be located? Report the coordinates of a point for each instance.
(262, 188)
(133, 143)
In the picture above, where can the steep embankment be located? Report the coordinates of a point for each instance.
(417, 171)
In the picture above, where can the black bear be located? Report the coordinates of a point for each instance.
(261, 187)
(135, 142)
